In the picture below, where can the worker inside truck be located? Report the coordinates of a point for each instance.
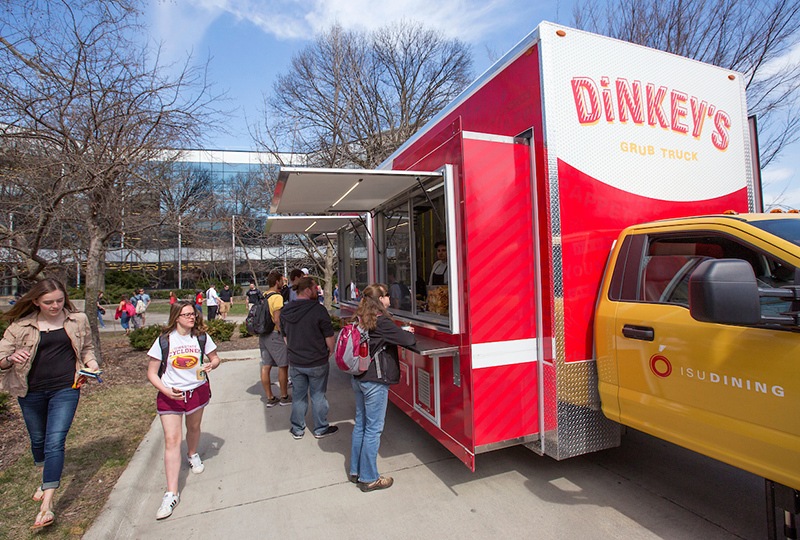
(406, 232)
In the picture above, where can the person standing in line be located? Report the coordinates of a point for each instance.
(41, 353)
(272, 346)
(253, 296)
(294, 277)
(226, 301)
(183, 392)
(372, 387)
(100, 310)
(212, 302)
(309, 337)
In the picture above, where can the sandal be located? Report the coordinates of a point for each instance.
(38, 494)
(43, 519)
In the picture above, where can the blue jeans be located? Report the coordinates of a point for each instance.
(371, 400)
(48, 416)
(313, 381)
(100, 319)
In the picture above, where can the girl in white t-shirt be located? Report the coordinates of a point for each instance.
(183, 391)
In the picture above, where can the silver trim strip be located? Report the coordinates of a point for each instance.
(475, 136)
(452, 254)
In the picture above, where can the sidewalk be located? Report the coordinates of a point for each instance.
(261, 483)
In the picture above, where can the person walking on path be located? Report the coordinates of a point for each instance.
(172, 297)
(198, 301)
(212, 302)
(272, 346)
(100, 310)
(309, 342)
(372, 387)
(183, 391)
(125, 311)
(226, 301)
(253, 296)
(41, 353)
(145, 298)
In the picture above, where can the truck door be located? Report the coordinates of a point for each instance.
(730, 392)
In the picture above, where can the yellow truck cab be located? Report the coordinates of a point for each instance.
(696, 341)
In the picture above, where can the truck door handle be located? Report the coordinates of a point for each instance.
(644, 333)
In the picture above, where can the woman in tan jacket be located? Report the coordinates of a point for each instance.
(41, 352)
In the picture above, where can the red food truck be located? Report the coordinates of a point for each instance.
(494, 225)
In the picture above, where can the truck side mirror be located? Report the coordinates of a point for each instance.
(724, 291)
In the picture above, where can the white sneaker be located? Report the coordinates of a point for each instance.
(168, 504)
(196, 464)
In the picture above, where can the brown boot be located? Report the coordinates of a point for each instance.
(380, 483)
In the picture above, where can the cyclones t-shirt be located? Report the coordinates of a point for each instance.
(183, 362)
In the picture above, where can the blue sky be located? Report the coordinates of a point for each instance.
(249, 42)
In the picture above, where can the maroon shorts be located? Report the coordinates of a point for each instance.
(193, 400)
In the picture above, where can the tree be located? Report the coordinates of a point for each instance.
(84, 95)
(749, 36)
(351, 98)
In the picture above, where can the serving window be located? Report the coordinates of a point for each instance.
(408, 236)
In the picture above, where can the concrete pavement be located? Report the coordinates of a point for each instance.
(261, 483)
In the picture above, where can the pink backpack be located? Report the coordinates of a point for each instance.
(352, 349)
(130, 309)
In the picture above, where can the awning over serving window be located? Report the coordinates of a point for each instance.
(320, 191)
(307, 224)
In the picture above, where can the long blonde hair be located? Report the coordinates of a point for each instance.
(371, 307)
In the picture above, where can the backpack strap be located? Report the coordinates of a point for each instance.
(201, 340)
(163, 341)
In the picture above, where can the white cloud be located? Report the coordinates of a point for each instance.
(179, 27)
(776, 65)
(470, 20)
(774, 174)
(779, 188)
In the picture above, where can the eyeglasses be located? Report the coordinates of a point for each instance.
(188, 315)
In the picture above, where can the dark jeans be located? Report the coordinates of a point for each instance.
(48, 416)
(212, 312)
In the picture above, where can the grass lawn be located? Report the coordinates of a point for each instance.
(108, 426)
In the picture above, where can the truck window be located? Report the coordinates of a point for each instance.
(412, 257)
(431, 278)
(356, 273)
(670, 261)
(397, 237)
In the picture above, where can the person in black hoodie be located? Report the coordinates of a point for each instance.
(310, 341)
(372, 386)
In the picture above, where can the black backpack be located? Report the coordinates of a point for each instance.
(285, 293)
(259, 321)
(163, 341)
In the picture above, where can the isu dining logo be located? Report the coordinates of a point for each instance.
(660, 366)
